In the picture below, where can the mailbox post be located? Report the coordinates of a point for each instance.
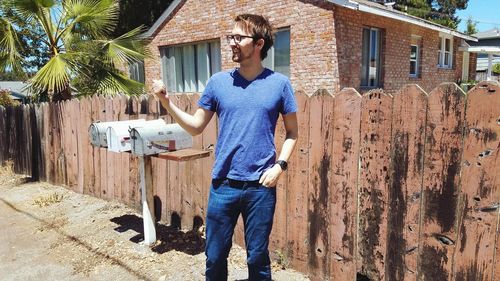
(146, 185)
(151, 139)
(146, 139)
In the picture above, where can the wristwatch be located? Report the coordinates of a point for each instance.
(283, 164)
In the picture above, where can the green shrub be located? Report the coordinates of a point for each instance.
(496, 68)
(6, 99)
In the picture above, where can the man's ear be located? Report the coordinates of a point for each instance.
(260, 43)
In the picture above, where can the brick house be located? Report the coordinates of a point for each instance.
(319, 44)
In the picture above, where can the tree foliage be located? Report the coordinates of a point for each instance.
(439, 11)
(471, 27)
(134, 13)
(70, 42)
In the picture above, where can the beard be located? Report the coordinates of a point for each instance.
(239, 56)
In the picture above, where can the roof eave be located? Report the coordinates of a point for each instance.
(401, 17)
(495, 50)
(159, 22)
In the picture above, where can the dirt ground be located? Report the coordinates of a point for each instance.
(51, 233)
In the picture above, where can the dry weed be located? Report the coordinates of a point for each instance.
(44, 201)
(7, 176)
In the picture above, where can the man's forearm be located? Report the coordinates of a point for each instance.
(287, 148)
(193, 124)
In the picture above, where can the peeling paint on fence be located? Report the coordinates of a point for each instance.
(380, 187)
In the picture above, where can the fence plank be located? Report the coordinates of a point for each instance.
(15, 135)
(166, 193)
(343, 190)
(65, 131)
(73, 114)
(480, 185)
(278, 240)
(443, 150)
(195, 174)
(46, 140)
(116, 158)
(28, 143)
(36, 163)
(185, 182)
(87, 155)
(376, 118)
(133, 194)
(209, 139)
(103, 152)
(81, 138)
(110, 156)
(321, 131)
(408, 130)
(297, 195)
(3, 145)
(56, 169)
(124, 181)
(96, 151)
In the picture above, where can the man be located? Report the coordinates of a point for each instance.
(248, 101)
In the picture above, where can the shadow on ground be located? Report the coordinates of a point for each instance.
(168, 237)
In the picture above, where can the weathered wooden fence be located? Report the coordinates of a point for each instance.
(381, 187)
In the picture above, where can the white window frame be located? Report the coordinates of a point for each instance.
(365, 69)
(136, 71)
(442, 52)
(186, 68)
(416, 60)
(270, 60)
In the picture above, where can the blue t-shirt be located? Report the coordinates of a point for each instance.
(247, 111)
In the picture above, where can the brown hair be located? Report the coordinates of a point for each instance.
(260, 28)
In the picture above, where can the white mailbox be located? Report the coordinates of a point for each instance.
(118, 134)
(97, 130)
(157, 137)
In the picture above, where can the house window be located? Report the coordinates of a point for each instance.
(187, 68)
(415, 45)
(278, 57)
(445, 51)
(413, 60)
(370, 66)
(136, 71)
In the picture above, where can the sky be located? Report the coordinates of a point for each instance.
(485, 12)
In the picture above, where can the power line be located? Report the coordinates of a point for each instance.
(488, 22)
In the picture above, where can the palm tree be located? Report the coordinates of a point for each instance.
(76, 37)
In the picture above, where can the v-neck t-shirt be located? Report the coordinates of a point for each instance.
(247, 112)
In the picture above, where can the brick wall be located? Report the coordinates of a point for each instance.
(395, 56)
(313, 64)
(325, 50)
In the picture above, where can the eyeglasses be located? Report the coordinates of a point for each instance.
(237, 38)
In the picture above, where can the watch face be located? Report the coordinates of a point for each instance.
(283, 164)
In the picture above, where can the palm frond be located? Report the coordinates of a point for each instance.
(53, 77)
(128, 48)
(118, 83)
(29, 8)
(90, 18)
(10, 58)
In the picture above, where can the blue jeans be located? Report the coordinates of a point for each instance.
(256, 203)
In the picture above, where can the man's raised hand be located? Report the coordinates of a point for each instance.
(160, 91)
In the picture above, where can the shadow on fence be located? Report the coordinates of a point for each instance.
(380, 187)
